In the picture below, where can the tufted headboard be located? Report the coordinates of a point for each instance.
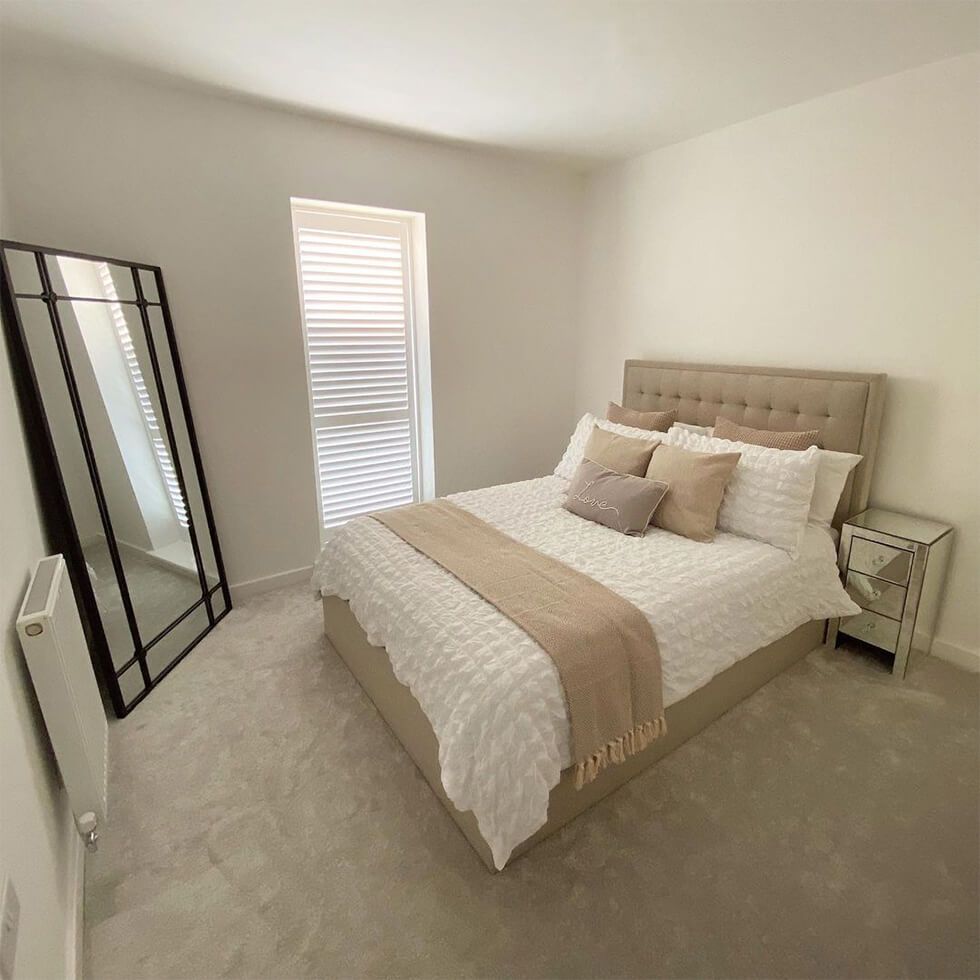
(846, 408)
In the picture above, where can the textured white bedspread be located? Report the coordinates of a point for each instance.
(493, 695)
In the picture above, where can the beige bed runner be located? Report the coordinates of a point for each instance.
(603, 646)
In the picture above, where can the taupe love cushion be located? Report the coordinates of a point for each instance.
(618, 500)
(654, 421)
(697, 484)
(769, 438)
(619, 453)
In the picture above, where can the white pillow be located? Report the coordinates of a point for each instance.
(576, 445)
(701, 430)
(768, 497)
(832, 474)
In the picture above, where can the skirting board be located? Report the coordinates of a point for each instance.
(956, 655)
(142, 554)
(256, 586)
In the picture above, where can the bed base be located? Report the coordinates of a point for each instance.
(399, 709)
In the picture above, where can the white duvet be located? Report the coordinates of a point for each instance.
(493, 695)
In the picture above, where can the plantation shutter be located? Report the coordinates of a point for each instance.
(355, 283)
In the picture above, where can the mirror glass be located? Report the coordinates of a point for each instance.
(109, 386)
(171, 391)
(87, 279)
(163, 653)
(131, 683)
(218, 602)
(149, 283)
(63, 427)
(23, 271)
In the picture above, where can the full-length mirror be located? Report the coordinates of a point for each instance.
(118, 465)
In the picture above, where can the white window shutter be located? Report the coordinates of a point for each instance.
(355, 277)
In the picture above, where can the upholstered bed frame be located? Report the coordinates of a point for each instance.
(846, 408)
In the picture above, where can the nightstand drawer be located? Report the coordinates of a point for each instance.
(873, 629)
(876, 594)
(880, 560)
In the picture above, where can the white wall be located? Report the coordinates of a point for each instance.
(201, 185)
(841, 233)
(37, 836)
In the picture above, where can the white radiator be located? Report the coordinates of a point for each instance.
(57, 655)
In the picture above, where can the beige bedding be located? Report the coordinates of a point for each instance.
(602, 646)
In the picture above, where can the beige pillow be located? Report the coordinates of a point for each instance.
(697, 483)
(654, 421)
(770, 438)
(620, 501)
(619, 453)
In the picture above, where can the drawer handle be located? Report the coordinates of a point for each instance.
(870, 626)
(878, 560)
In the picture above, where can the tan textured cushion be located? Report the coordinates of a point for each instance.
(654, 421)
(770, 438)
(697, 483)
(620, 501)
(619, 453)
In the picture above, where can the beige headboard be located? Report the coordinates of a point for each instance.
(846, 408)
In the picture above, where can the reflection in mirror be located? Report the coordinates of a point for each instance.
(131, 683)
(161, 655)
(109, 388)
(23, 271)
(218, 604)
(75, 473)
(118, 397)
(171, 392)
(149, 283)
(88, 279)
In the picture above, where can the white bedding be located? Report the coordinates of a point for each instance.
(493, 695)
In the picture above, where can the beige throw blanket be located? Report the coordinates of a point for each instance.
(602, 645)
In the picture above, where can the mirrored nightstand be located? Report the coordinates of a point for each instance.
(893, 567)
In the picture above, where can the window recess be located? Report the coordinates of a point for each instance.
(362, 285)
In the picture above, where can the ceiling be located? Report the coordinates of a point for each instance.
(585, 81)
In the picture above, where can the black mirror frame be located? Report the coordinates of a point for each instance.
(51, 488)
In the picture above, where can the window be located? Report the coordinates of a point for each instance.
(362, 287)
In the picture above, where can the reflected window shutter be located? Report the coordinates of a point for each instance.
(160, 450)
(354, 279)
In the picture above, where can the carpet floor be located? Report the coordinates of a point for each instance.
(265, 823)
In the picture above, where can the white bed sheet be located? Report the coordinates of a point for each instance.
(493, 696)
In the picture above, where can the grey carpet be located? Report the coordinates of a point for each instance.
(265, 823)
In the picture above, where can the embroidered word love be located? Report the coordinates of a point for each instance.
(593, 501)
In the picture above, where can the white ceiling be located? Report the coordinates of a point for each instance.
(583, 80)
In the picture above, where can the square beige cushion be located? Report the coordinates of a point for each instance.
(770, 438)
(620, 501)
(619, 453)
(697, 484)
(654, 421)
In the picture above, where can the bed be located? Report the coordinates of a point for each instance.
(478, 706)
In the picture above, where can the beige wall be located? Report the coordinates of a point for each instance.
(201, 185)
(37, 848)
(840, 233)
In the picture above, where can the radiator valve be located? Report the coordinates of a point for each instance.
(88, 827)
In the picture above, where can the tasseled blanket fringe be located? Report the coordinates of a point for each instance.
(619, 750)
